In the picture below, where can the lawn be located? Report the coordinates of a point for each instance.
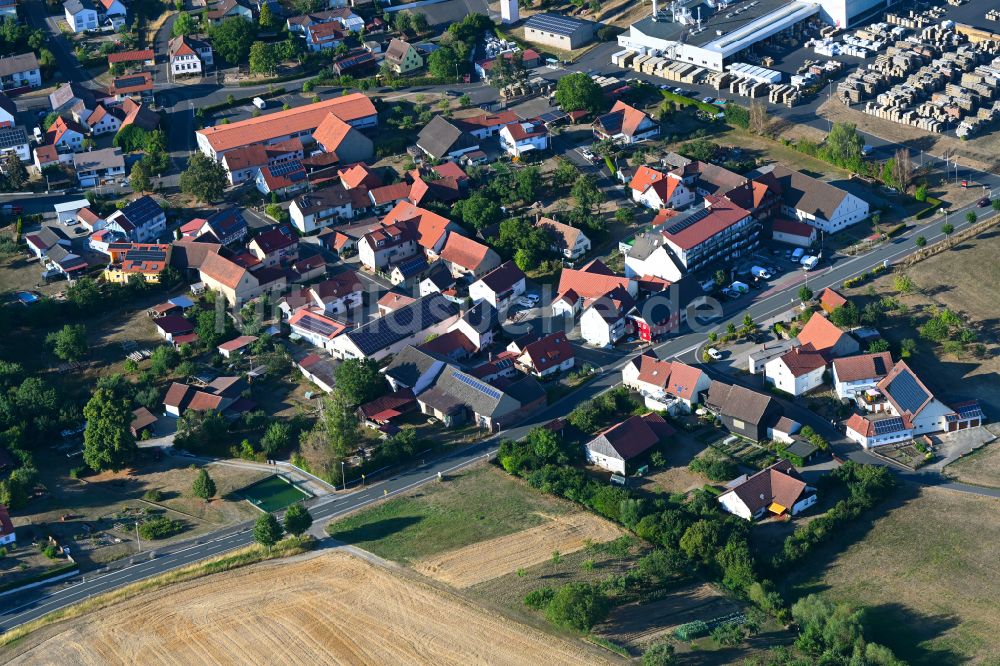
(926, 572)
(272, 494)
(480, 504)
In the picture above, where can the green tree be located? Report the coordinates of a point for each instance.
(163, 359)
(14, 169)
(701, 540)
(132, 138)
(527, 183)
(659, 654)
(921, 241)
(107, 440)
(49, 119)
(276, 438)
(579, 92)
(903, 283)
(267, 530)
(232, 39)
(211, 328)
(844, 145)
(577, 606)
(184, 24)
(907, 347)
(805, 294)
(266, 19)
(586, 193)
(625, 215)
(995, 204)
(297, 519)
(402, 21)
(263, 58)
(478, 210)
(971, 217)
(359, 380)
(443, 63)
(565, 173)
(419, 23)
(878, 346)
(203, 486)
(69, 343)
(139, 178)
(846, 316)
(205, 179)
(948, 229)
(341, 424)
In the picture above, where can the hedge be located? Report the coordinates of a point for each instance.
(687, 101)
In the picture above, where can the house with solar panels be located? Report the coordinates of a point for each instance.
(130, 259)
(409, 325)
(853, 376)
(283, 180)
(557, 31)
(15, 140)
(141, 221)
(315, 327)
(901, 406)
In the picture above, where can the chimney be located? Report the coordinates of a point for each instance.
(654, 10)
(699, 17)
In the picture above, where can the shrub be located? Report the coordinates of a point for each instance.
(51, 552)
(152, 495)
(540, 598)
(78, 472)
(686, 632)
(577, 606)
(715, 468)
(160, 527)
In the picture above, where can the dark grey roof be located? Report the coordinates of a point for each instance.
(477, 395)
(738, 402)
(645, 244)
(143, 210)
(410, 364)
(526, 390)
(482, 317)
(7, 104)
(503, 278)
(804, 192)
(801, 448)
(440, 137)
(440, 276)
(24, 62)
(328, 197)
(70, 93)
(400, 324)
(105, 158)
(77, 6)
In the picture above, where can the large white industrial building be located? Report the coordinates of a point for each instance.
(712, 33)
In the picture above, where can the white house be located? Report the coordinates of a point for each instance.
(870, 432)
(776, 490)
(602, 323)
(189, 56)
(651, 255)
(853, 375)
(908, 397)
(796, 371)
(625, 124)
(66, 212)
(548, 355)
(15, 140)
(142, 220)
(815, 202)
(318, 329)
(669, 383)
(20, 71)
(518, 139)
(656, 190)
(101, 121)
(99, 166)
(479, 324)
(320, 208)
(500, 287)
(80, 15)
(114, 10)
(567, 240)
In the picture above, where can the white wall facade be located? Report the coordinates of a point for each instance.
(778, 375)
(615, 465)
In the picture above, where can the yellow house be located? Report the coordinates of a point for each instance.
(128, 259)
(403, 57)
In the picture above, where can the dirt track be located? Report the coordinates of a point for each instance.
(486, 560)
(331, 608)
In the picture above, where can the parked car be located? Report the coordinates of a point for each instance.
(707, 100)
(534, 298)
(760, 272)
(714, 353)
(588, 154)
(525, 302)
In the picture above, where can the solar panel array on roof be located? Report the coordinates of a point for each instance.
(355, 60)
(906, 391)
(879, 363)
(13, 136)
(286, 168)
(145, 254)
(317, 325)
(970, 410)
(683, 224)
(142, 210)
(130, 81)
(402, 323)
(478, 385)
(884, 426)
(559, 25)
(551, 117)
(412, 266)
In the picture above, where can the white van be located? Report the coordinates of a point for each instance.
(759, 272)
(259, 103)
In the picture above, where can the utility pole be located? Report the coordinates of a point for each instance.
(137, 542)
(343, 474)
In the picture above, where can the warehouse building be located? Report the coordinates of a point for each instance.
(713, 34)
(560, 32)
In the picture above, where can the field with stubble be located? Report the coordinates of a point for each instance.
(331, 608)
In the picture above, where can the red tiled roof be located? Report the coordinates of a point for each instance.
(304, 118)
(831, 300)
(792, 227)
(430, 226)
(866, 366)
(632, 119)
(131, 56)
(389, 406)
(636, 434)
(721, 215)
(774, 485)
(222, 270)
(389, 193)
(335, 327)
(590, 283)
(238, 343)
(463, 251)
(644, 177)
(548, 352)
(359, 175)
(802, 360)
(820, 332)
(486, 121)
(124, 85)
(331, 132)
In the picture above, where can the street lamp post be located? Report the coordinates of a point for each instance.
(137, 541)
(343, 474)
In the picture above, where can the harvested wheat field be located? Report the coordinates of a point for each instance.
(331, 608)
(486, 560)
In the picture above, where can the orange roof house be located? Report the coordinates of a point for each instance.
(355, 109)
